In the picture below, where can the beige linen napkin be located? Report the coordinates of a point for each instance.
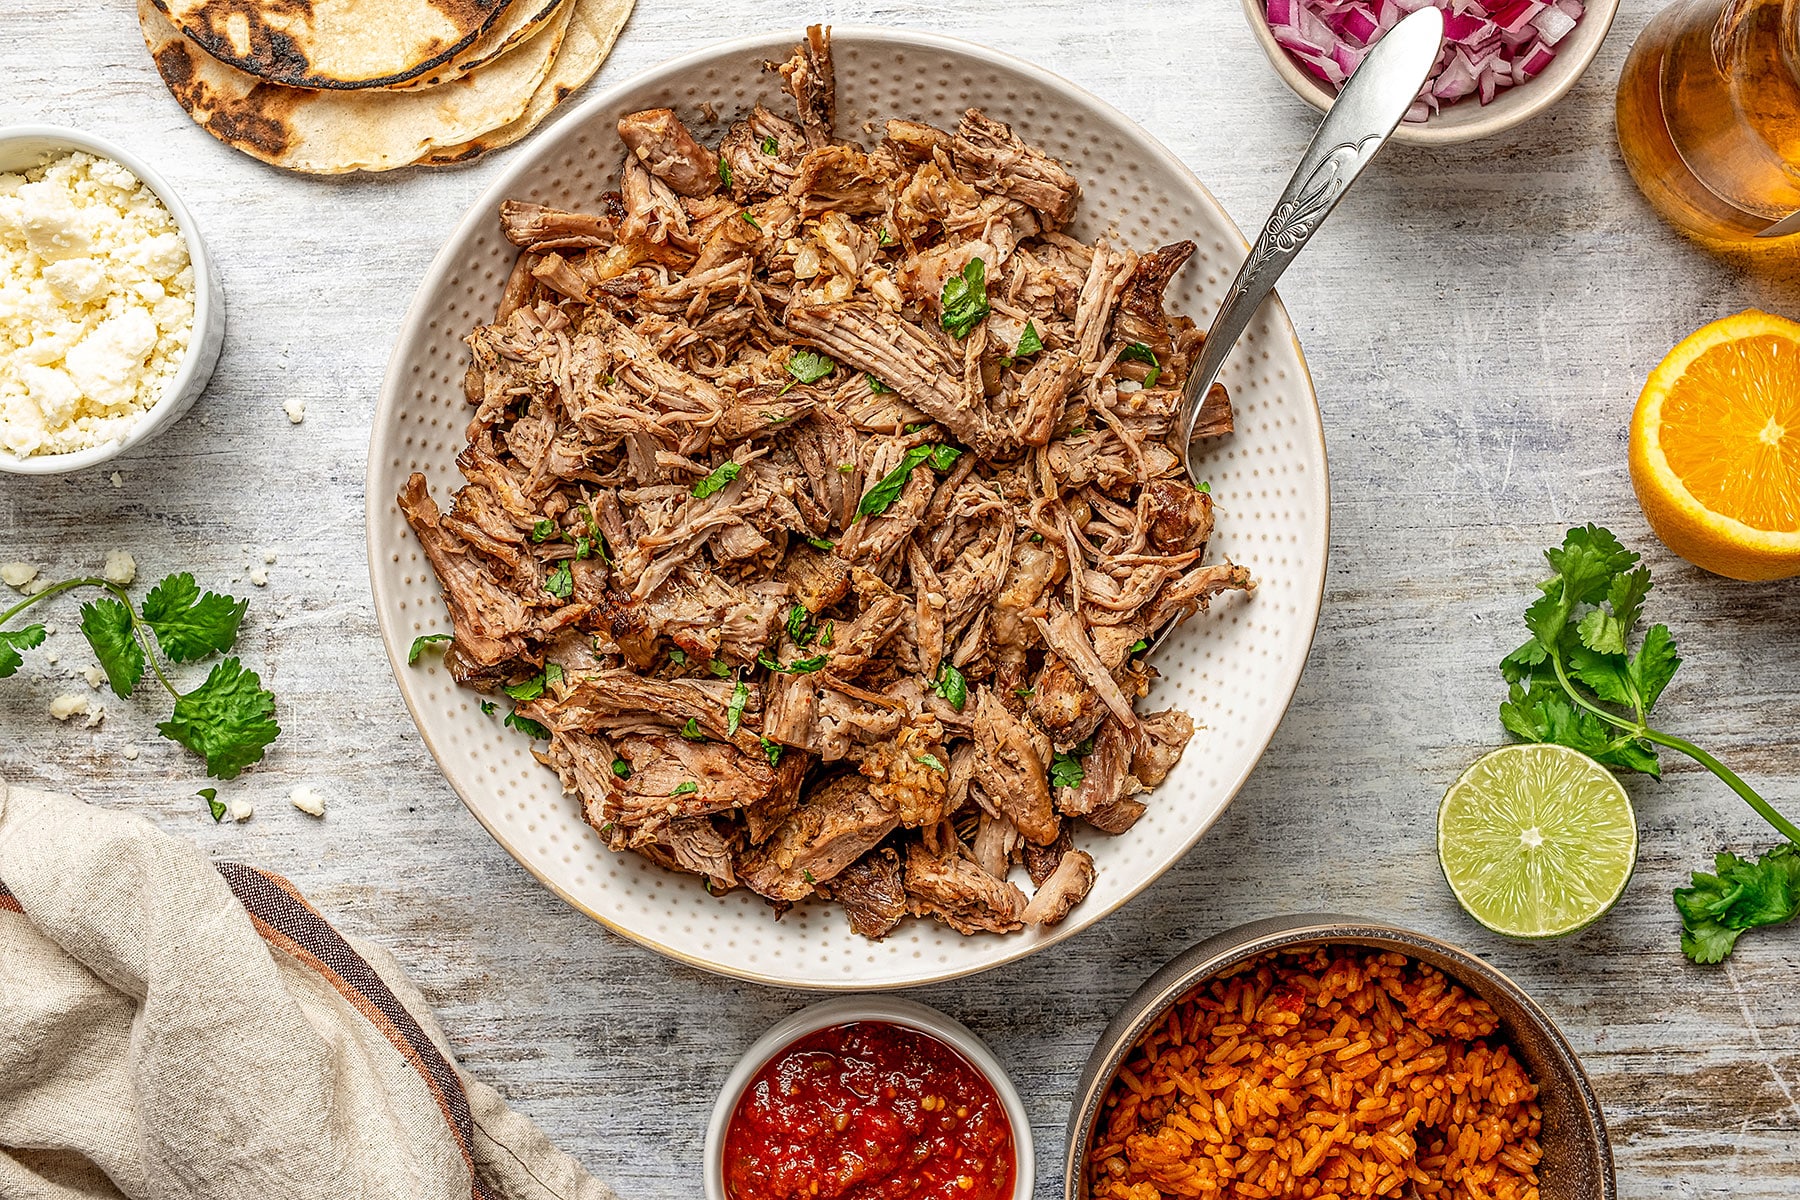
(174, 1029)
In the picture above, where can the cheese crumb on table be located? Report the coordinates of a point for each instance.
(118, 480)
(96, 304)
(68, 706)
(131, 753)
(296, 410)
(93, 675)
(308, 801)
(259, 577)
(241, 810)
(17, 574)
(121, 568)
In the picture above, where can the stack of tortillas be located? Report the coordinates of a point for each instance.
(327, 86)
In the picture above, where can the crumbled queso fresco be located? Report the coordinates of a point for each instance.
(96, 304)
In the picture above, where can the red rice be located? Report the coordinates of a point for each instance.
(1323, 1074)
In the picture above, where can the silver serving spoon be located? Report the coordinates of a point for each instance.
(1366, 112)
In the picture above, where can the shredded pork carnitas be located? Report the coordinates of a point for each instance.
(820, 507)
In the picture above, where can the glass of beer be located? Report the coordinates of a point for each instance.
(1709, 118)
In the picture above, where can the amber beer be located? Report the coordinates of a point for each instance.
(1709, 117)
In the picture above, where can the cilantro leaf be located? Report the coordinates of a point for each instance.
(734, 711)
(107, 626)
(1737, 895)
(1066, 769)
(16, 640)
(876, 387)
(526, 726)
(720, 668)
(1029, 342)
(881, 497)
(561, 581)
(685, 789)
(188, 625)
(805, 666)
(419, 644)
(800, 625)
(692, 731)
(1139, 352)
(529, 689)
(932, 761)
(952, 685)
(716, 479)
(543, 531)
(229, 720)
(678, 656)
(1654, 665)
(773, 750)
(724, 171)
(964, 300)
(942, 458)
(770, 146)
(214, 805)
(809, 366)
(821, 544)
(1605, 629)
(751, 221)
(621, 768)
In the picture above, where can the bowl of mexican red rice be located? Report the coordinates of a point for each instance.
(1324, 1057)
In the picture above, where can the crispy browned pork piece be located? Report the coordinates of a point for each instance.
(820, 506)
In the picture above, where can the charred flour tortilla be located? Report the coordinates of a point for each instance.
(334, 43)
(593, 28)
(325, 132)
(522, 19)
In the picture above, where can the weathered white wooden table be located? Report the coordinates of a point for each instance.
(1478, 321)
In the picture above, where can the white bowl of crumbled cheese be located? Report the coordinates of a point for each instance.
(111, 314)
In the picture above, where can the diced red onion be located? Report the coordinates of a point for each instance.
(1489, 45)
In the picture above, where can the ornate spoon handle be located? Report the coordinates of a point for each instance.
(1371, 105)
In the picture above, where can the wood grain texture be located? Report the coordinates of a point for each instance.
(1478, 320)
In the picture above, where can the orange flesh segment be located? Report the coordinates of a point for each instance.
(1730, 430)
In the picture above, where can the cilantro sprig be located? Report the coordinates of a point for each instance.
(229, 720)
(1579, 683)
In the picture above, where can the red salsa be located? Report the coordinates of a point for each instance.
(869, 1111)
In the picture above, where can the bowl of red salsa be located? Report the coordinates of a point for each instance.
(868, 1099)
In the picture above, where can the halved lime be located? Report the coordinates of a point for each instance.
(1537, 841)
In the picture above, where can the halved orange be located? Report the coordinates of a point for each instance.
(1715, 447)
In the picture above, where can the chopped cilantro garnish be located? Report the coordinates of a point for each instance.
(419, 644)
(734, 711)
(560, 582)
(1138, 352)
(1029, 342)
(809, 366)
(951, 685)
(716, 479)
(965, 300)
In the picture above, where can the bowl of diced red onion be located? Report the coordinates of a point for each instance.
(1503, 61)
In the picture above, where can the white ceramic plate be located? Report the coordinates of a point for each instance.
(1234, 670)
